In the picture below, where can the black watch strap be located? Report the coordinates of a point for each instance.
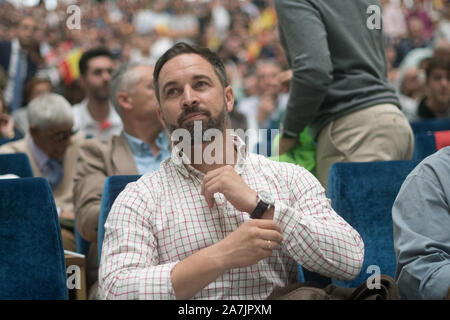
(261, 207)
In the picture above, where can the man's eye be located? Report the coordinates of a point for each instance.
(201, 84)
(171, 92)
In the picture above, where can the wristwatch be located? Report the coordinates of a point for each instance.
(265, 202)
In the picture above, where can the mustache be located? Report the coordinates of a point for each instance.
(194, 109)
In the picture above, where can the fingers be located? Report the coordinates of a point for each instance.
(266, 224)
(266, 235)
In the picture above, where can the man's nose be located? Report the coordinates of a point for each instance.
(189, 98)
(106, 75)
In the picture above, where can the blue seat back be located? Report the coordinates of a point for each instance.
(32, 264)
(16, 163)
(363, 194)
(81, 244)
(424, 145)
(111, 189)
(430, 125)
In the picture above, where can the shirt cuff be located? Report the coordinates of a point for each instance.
(284, 219)
(156, 284)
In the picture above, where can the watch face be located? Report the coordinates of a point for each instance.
(266, 197)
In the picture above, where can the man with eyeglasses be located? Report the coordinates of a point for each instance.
(52, 149)
(95, 116)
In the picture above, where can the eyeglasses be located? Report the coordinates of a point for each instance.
(62, 136)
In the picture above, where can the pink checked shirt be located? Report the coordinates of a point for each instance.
(162, 218)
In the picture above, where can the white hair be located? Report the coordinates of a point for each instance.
(49, 109)
(124, 79)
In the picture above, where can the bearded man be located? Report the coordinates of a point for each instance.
(227, 229)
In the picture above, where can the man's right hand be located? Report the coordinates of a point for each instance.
(253, 241)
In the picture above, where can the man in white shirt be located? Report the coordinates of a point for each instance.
(232, 228)
(95, 116)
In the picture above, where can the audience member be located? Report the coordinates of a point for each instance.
(185, 231)
(264, 110)
(394, 22)
(95, 116)
(52, 151)
(8, 131)
(421, 215)
(33, 88)
(443, 26)
(16, 60)
(436, 102)
(339, 86)
(414, 40)
(140, 148)
(417, 11)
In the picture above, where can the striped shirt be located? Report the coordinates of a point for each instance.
(162, 218)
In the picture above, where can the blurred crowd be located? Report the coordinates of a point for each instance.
(243, 32)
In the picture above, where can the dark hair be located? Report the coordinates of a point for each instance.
(90, 54)
(30, 84)
(184, 48)
(437, 62)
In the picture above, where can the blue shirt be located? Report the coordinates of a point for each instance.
(421, 216)
(143, 155)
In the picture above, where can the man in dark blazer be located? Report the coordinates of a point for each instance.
(15, 58)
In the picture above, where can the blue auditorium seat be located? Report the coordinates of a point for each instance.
(81, 244)
(430, 125)
(32, 264)
(427, 143)
(16, 163)
(111, 189)
(363, 194)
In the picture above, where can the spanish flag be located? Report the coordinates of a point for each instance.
(69, 69)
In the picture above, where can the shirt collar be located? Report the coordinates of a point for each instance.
(113, 117)
(139, 147)
(183, 165)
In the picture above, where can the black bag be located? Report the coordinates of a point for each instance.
(312, 291)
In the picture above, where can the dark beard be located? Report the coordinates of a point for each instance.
(219, 123)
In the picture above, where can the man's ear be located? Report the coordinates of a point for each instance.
(161, 117)
(125, 100)
(229, 98)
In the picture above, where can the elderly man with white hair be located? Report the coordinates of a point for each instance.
(52, 149)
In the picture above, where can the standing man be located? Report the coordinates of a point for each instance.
(140, 148)
(232, 228)
(16, 61)
(95, 116)
(339, 86)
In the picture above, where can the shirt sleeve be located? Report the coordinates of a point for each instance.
(304, 38)
(421, 218)
(314, 235)
(129, 267)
